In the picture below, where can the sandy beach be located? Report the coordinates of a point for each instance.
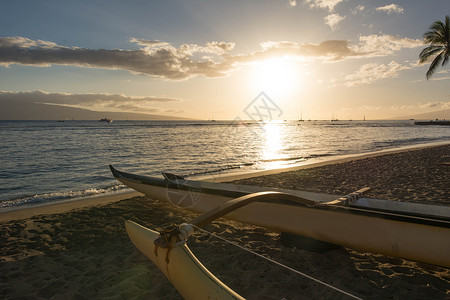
(82, 251)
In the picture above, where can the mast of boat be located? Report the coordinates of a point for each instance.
(301, 116)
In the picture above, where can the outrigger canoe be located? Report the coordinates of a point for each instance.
(412, 231)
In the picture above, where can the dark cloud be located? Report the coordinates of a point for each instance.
(155, 58)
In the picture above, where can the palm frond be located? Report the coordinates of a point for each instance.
(445, 61)
(434, 66)
(447, 28)
(435, 40)
(438, 39)
(435, 35)
(428, 52)
(438, 26)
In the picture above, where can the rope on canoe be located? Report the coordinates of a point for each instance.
(279, 264)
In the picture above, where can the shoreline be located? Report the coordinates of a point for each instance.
(15, 213)
(319, 162)
(418, 175)
(60, 207)
(84, 252)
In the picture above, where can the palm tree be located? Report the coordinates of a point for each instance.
(438, 38)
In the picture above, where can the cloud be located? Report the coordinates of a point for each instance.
(403, 107)
(391, 8)
(333, 20)
(324, 4)
(214, 59)
(153, 47)
(23, 42)
(336, 50)
(423, 106)
(148, 43)
(96, 102)
(155, 58)
(382, 45)
(357, 9)
(293, 3)
(440, 78)
(440, 105)
(369, 108)
(372, 72)
(328, 50)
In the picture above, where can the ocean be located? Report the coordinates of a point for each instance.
(45, 161)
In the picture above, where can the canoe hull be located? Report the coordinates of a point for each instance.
(415, 238)
(191, 279)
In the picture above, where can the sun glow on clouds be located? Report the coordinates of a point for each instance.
(279, 77)
(164, 61)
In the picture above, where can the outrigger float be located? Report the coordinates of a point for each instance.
(168, 250)
(186, 273)
(412, 231)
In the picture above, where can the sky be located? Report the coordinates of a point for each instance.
(314, 59)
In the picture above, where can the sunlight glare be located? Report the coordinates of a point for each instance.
(278, 77)
(272, 151)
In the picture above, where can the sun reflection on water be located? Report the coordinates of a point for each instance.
(274, 144)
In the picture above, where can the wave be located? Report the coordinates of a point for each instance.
(218, 170)
(256, 164)
(300, 158)
(60, 196)
(404, 142)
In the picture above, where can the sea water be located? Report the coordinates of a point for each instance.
(45, 161)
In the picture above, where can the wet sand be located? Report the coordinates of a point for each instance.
(84, 253)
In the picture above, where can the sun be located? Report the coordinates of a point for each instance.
(278, 76)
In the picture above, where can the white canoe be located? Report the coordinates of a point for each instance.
(412, 231)
(186, 273)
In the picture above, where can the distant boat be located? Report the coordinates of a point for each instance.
(105, 120)
(334, 118)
